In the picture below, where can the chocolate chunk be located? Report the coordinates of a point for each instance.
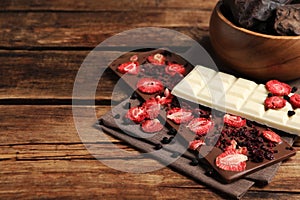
(250, 13)
(287, 20)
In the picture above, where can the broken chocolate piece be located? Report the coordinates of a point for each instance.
(249, 13)
(287, 20)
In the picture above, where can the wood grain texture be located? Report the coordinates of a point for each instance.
(47, 74)
(48, 156)
(88, 29)
(101, 5)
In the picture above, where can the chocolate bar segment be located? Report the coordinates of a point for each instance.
(237, 96)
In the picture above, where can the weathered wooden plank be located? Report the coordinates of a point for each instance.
(50, 74)
(79, 178)
(102, 5)
(88, 29)
(40, 124)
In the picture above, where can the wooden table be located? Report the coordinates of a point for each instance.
(43, 44)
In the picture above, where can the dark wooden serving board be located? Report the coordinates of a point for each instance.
(284, 149)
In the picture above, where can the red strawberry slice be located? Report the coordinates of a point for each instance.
(166, 99)
(272, 136)
(200, 126)
(195, 144)
(179, 115)
(173, 69)
(275, 102)
(136, 114)
(234, 121)
(129, 67)
(134, 58)
(231, 160)
(295, 100)
(149, 85)
(152, 125)
(278, 88)
(157, 59)
(152, 108)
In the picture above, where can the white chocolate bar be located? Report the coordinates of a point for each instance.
(236, 96)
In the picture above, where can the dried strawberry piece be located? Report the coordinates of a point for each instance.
(234, 121)
(166, 99)
(232, 146)
(180, 115)
(134, 58)
(149, 85)
(152, 125)
(129, 67)
(195, 144)
(157, 59)
(173, 69)
(136, 114)
(200, 126)
(295, 100)
(272, 136)
(231, 160)
(152, 108)
(242, 150)
(275, 102)
(278, 88)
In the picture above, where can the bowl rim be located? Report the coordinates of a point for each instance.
(249, 32)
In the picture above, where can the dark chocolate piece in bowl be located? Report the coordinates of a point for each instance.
(287, 20)
(250, 13)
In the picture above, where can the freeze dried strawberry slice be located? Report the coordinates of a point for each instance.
(275, 102)
(152, 108)
(157, 59)
(200, 126)
(278, 88)
(150, 85)
(129, 67)
(152, 125)
(234, 121)
(173, 69)
(295, 100)
(195, 144)
(231, 160)
(232, 146)
(166, 99)
(242, 150)
(179, 115)
(134, 58)
(136, 114)
(272, 136)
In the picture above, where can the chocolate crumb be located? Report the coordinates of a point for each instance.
(158, 146)
(286, 97)
(291, 113)
(194, 162)
(294, 89)
(117, 116)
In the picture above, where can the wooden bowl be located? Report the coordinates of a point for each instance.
(257, 56)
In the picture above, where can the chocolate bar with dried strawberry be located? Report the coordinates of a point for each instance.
(287, 20)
